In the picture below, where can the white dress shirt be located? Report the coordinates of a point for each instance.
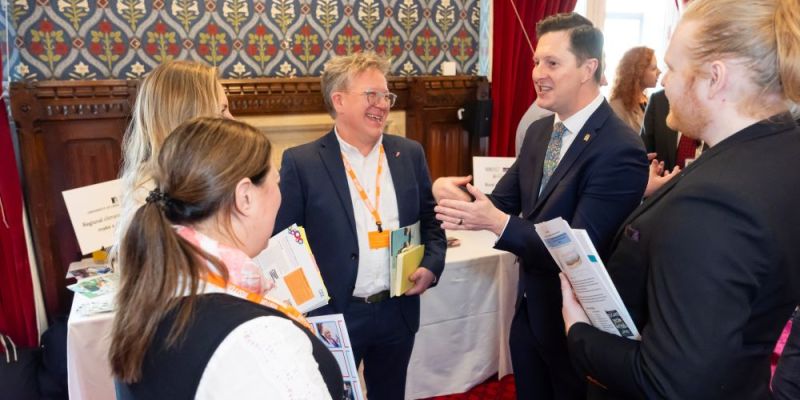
(373, 264)
(575, 123)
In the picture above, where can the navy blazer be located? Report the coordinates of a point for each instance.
(597, 183)
(709, 269)
(316, 196)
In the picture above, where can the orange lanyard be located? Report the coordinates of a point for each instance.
(237, 291)
(362, 193)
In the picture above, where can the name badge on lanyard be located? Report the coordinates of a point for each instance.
(378, 239)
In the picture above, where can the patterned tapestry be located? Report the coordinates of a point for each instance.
(119, 39)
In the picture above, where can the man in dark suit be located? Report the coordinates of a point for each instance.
(660, 141)
(709, 266)
(582, 164)
(349, 189)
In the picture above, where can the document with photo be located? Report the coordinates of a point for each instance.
(332, 331)
(87, 268)
(289, 263)
(573, 251)
(404, 247)
(95, 287)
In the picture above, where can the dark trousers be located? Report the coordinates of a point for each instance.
(382, 339)
(538, 376)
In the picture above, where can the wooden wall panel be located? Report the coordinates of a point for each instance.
(70, 135)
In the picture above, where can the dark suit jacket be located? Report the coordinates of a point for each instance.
(316, 195)
(709, 268)
(599, 181)
(657, 136)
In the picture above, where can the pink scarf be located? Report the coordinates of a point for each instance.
(242, 271)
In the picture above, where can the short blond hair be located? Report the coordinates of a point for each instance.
(340, 70)
(764, 34)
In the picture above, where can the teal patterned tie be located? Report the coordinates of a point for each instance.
(553, 152)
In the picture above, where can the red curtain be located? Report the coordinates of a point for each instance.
(512, 64)
(17, 311)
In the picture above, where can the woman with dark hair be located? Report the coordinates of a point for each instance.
(183, 329)
(636, 72)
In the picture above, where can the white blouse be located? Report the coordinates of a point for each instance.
(264, 358)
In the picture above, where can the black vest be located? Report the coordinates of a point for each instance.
(175, 372)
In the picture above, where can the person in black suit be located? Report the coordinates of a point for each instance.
(349, 189)
(660, 141)
(709, 266)
(593, 175)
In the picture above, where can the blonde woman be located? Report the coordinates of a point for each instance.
(171, 94)
(183, 329)
(636, 72)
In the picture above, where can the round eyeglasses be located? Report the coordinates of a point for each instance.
(373, 97)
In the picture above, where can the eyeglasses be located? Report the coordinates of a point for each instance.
(373, 97)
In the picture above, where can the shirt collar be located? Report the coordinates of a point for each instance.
(578, 120)
(351, 151)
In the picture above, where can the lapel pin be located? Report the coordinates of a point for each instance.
(397, 154)
(586, 137)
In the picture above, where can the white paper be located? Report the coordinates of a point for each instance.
(573, 251)
(94, 211)
(332, 331)
(289, 263)
(487, 171)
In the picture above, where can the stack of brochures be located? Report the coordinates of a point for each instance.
(289, 263)
(332, 332)
(405, 255)
(573, 251)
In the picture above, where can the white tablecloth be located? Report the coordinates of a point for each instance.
(465, 320)
(463, 336)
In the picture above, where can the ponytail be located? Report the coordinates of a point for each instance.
(158, 265)
(199, 166)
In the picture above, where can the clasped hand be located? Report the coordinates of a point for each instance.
(458, 211)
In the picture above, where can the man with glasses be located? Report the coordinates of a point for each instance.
(349, 189)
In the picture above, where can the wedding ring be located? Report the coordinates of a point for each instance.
(461, 221)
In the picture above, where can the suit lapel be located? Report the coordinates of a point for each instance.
(583, 139)
(331, 156)
(401, 175)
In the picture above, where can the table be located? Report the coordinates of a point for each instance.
(88, 341)
(465, 320)
(463, 336)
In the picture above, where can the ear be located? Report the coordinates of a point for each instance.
(717, 79)
(244, 196)
(337, 99)
(589, 67)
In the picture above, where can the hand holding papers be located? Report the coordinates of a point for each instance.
(405, 252)
(576, 256)
(289, 263)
